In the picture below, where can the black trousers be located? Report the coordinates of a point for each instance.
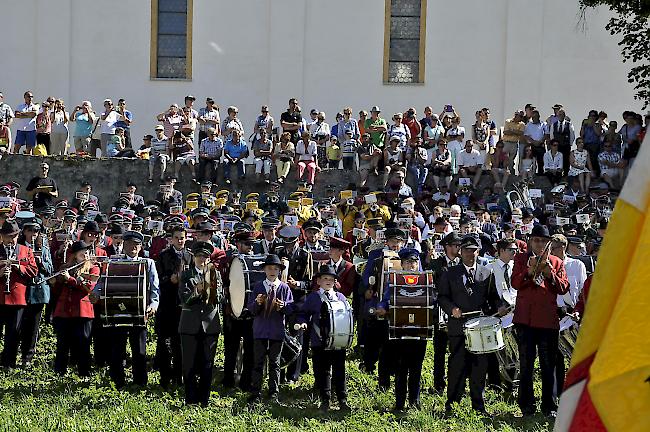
(329, 364)
(409, 355)
(566, 155)
(211, 165)
(440, 342)
(29, 330)
(234, 331)
(137, 337)
(73, 340)
(101, 343)
(263, 348)
(168, 347)
(560, 372)
(464, 364)
(10, 321)
(493, 373)
(534, 342)
(377, 350)
(198, 359)
(300, 366)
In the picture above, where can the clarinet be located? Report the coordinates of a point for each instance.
(7, 287)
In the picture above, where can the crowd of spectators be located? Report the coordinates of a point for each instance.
(430, 152)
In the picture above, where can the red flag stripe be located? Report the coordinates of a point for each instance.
(585, 417)
(579, 372)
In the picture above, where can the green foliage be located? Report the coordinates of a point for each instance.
(632, 25)
(39, 400)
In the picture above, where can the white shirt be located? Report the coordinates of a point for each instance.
(552, 163)
(271, 286)
(26, 124)
(470, 159)
(535, 130)
(319, 129)
(507, 294)
(306, 154)
(576, 273)
(108, 124)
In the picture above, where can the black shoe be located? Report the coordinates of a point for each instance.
(274, 399)
(324, 407)
(416, 404)
(343, 406)
(228, 383)
(398, 409)
(448, 411)
(254, 399)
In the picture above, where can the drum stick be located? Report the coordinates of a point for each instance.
(468, 314)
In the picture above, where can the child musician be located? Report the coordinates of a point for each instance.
(269, 301)
(199, 326)
(327, 362)
(74, 311)
(409, 353)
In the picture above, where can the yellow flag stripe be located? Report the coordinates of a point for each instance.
(614, 260)
(617, 376)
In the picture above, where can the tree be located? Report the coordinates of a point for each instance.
(630, 21)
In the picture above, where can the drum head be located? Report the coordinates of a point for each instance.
(237, 287)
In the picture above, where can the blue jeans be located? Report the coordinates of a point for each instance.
(240, 169)
(420, 173)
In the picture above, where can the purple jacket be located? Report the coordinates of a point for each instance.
(269, 324)
(310, 312)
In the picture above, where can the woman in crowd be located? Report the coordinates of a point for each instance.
(285, 153)
(528, 164)
(306, 159)
(580, 165)
(44, 126)
(59, 136)
(498, 163)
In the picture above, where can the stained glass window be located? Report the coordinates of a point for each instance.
(404, 45)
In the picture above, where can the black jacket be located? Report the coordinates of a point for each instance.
(200, 312)
(452, 293)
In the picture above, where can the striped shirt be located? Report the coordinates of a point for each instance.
(159, 146)
(211, 148)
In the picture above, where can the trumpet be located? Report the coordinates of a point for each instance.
(539, 260)
(93, 260)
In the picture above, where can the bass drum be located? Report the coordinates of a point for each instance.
(336, 324)
(245, 270)
(124, 286)
(290, 351)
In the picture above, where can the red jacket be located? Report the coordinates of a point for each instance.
(582, 298)
(19, 279)
(537, 303)
(73, 299)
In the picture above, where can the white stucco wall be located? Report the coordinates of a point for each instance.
(328, 54)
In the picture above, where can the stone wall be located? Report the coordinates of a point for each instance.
(109, 177)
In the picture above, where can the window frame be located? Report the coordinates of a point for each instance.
(153, 55)
(422, 47)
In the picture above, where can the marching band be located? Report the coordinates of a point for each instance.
(286, 282)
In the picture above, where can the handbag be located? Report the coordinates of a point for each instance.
(40, 150)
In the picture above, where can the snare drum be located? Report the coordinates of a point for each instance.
(509, 357)
(568, 336)
(290, 350)
(336, 324)
(413, 305)
(124, 285)
(245, 270)
(483, 335)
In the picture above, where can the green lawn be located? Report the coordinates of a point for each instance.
(39, 400)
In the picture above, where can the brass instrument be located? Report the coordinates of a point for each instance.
(94, 260)
(519, 197)
(539, 259)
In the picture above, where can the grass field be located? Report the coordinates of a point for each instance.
(39, 400)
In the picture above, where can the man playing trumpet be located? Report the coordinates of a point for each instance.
(538, 278)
